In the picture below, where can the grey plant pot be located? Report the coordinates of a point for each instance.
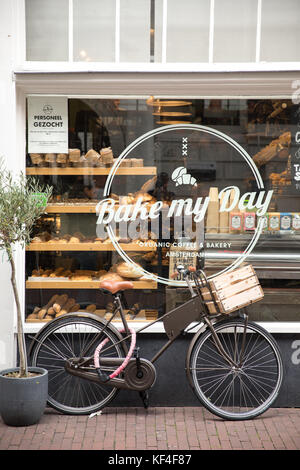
(23, 401)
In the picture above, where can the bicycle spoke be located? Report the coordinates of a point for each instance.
(74, 338)
(236, 391)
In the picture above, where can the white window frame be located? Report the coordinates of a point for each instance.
(21, 64)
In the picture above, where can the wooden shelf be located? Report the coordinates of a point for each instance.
(144, 284)
(88, 208)
(86, 247)
(141, 317)
(143, 170)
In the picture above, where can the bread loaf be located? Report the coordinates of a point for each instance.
(51, 312)
(129, 271)
(91, 308)
(67, 307)
(59, 303)
(74, 155)
(43, 311)
(34, 314)
(75, 308)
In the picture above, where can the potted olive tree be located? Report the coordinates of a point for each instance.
(23, 390)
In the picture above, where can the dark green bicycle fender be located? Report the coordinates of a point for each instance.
(112, 328)
(190, 350)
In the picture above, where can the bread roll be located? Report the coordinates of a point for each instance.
(106, 155)
(36, 158)
(47, 273)
(111, 277)
(74, 240)
(81, 277)
(144, 196)
(57, 272)
(79, 235)
(92, 157)
(36, 240)
(74, 155)
(50, 158)
(128, 271)
(62, 158)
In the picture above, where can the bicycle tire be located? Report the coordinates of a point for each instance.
(243, 392)
(66, 338)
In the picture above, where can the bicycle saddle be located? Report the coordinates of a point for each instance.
(116, 286)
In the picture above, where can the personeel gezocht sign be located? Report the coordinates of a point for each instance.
(47, 124)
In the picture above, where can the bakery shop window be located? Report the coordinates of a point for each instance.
(233, 163)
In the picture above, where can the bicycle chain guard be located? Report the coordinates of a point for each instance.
(140, 376)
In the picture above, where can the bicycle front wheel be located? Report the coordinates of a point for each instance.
(247, 386)
(74, 337)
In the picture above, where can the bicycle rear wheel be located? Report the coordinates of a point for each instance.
(236, 393)
(74, 337)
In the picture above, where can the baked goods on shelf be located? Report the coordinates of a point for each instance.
(47, 239)
(58, 305)
(278, 146)
(120, 272)
(69, 305)
(75, 158)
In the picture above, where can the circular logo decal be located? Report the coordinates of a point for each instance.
(190, 157)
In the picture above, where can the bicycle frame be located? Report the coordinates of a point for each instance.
(175, 322)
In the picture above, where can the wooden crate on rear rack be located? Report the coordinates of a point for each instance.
(230, 291)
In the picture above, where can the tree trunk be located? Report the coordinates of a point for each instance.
(21, 337)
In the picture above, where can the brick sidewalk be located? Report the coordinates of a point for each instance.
(191, 428)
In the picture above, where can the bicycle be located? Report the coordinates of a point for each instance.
(233, 365)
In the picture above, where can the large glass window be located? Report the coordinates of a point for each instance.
(235, 31)
(163, 31)
(94, 30)
(188, 31)
(47, 30)
(276, 17)
(206, 153)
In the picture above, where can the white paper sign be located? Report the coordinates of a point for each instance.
(47, 124)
